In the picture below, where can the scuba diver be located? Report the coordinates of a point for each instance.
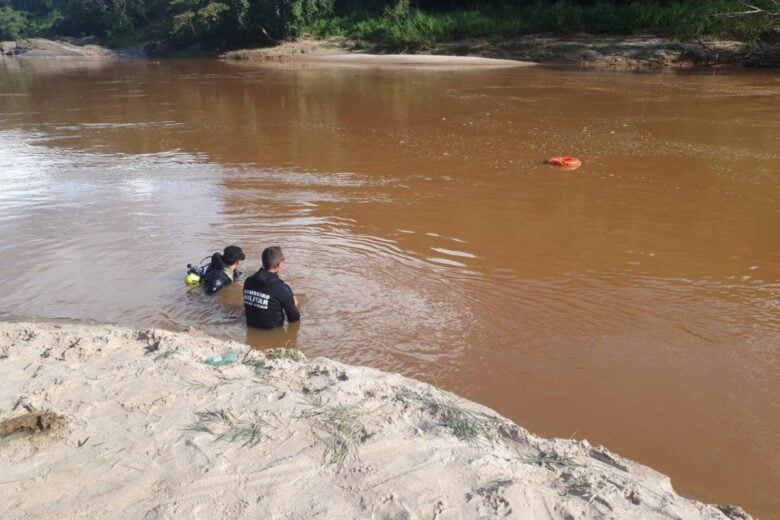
(219, 273)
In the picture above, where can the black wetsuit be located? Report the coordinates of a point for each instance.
(218, 275)
(267, 299)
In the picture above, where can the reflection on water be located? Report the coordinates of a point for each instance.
(633, 302)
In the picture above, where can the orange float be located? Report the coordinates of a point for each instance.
(565, 163)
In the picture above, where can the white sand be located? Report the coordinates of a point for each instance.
(423, 60)
(54, 49)
(337, 52)
(131, 409)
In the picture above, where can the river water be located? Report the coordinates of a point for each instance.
(634, 302)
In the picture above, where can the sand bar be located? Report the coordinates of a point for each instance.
(422, 60)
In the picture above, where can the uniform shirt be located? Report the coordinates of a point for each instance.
(267, 299)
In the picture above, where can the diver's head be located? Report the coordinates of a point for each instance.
(273, 259)
(232, 256)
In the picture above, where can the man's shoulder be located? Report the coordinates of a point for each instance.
(220, 274)
(283, 289)
(251, 279)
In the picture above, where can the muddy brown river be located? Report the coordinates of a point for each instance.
(634, 302)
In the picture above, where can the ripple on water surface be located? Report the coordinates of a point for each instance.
(634, 302)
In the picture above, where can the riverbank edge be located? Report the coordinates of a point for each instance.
(278, 434)
(585, 51)
(64, 48)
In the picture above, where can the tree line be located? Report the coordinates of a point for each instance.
(400, 24)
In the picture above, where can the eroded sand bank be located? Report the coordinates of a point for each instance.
(136, 426)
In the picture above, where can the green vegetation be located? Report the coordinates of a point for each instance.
(551, 460)
(180, 23)
(284, 353)
(464, 424)
(403, 27)
(342, 431)
(226, 427)
(389, 24)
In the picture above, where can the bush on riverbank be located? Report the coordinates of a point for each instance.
(220, 23)
(18, 24)
(391, 24)
(413, 29)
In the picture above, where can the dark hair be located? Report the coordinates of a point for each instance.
(232, 255)
(271, 257)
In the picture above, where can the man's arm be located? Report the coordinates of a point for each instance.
(290, 305)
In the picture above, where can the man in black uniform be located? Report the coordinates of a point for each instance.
(221, 272)
(267, 299)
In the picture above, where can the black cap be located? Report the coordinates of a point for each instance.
(232, 255)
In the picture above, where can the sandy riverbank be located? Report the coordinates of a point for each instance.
(136, 423)
(61, 48)
(341, 52)
(622, 53)
(415, 60)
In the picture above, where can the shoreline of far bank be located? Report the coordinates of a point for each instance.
(585, 51)
(133, 420)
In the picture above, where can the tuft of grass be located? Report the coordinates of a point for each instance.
(464, 424)
(208, 420)
(224, 426)
(551, 460)
(284, 353)
(165, 355)
(197, 385)
(342, 431)
(251, 432)
(251, 360)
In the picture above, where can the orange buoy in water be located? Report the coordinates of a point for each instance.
(565, 163)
